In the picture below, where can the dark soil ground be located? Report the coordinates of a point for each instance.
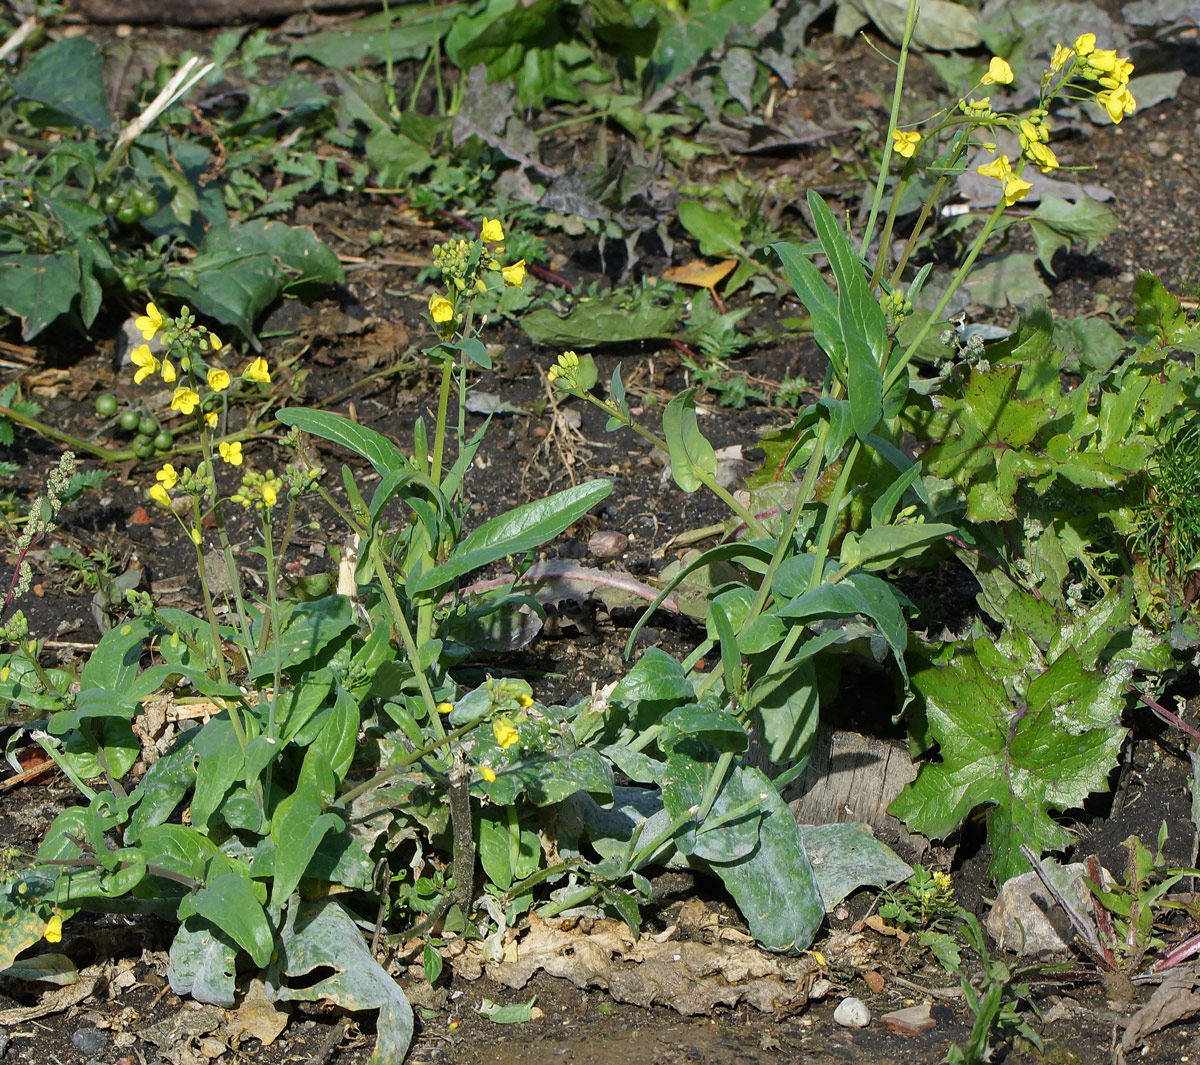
(357, 345)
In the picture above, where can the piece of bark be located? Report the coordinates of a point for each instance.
(204, 12)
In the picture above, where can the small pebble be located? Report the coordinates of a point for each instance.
(852, 1013)
(88, 1040)
(607, 544)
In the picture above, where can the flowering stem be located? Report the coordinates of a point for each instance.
(401, 629)
(105, 454)
(910, 23)
(936, 314)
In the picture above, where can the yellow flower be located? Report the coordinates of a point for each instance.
(525, 700)
(1103, 59)
(506, 732)
(998, 168)
(4, 675)
(144, 360)
(149, 323)
(1117, 102)
(210, 419)
(565, 369)
(444, 708)
(998, 72)
(159, 494)
(168, 371)
(440, 309)
(53, 932)
(514, 276)
(184, 400)
(167, 476)
(492, 231)
(195, 535)
(1060, 57)
(1085, 44)
(487, 773)
(258, 371)
(905, 144)
(269, 494)
(1014, 189)
(218, 380)
(942, 881)
(214, 341)
(231, 452)
(1038, 154)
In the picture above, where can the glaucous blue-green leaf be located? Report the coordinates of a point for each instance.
(683, 788)
(320, 935)
(202, 963)
(228, 900)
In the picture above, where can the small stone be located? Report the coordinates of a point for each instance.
(607, 544)
(852, 1013)
(910, 1021)
(1026, 920)
(88, 1041)
(874, 981)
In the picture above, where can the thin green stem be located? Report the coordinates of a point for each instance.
(103, 453)
(400, 628)
(910, 23)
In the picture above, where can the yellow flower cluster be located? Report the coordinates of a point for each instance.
(1032, 133)
(506, 732)
(1014, 187)
(564, 371)
(1110, 71)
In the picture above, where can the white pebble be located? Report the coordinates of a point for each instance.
(852, 1013)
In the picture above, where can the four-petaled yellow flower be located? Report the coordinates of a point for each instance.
(440, 309)
(258, 371)
(167, 476)
(184, 400)
(998, 72)
(210, 419)
(269, 494)
(149, 323)
(1085, 45)
(1117, 102)
(506, 732)
(168, 371)
(53, 932)
(1014, 188)
(905, 144)
(514, 276)
(488, 773)
(218, 380)
(231, 452)
(1060, 57)
(159, 494)
(144, 360)
(492, 231)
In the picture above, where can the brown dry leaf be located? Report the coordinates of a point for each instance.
(258, 1016)
(700, 273)
(53, 1001)
(690, 977)
(874, 981)
(1173, 1000)
(878, 924)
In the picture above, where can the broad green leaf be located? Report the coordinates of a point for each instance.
(297, 827)
(202, 963)
(774, 886)
(943, 26)
(376, 448)
(693, 460)
(229, 902)
(595, 322)
(1022, 762)
(38, 288)
(1057, 223)
(219, 762)
(332, 751)
(715, 727)
(163, 788)
(507, 855)
(403, 33)
(516, 1013)
(580, 770)
(514, 532)
(788, 707)
(67, 76)
(657, 678)
(310, 630)
(818, 299)
(847, 856)
(683, 787)
(321, 935)
(114, 662)
(718, 232)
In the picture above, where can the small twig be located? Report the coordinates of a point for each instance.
(18, 37)
(330, 1043)
(932, 992)
(1163, 714)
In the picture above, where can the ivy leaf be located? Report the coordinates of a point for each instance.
(1023, 759)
